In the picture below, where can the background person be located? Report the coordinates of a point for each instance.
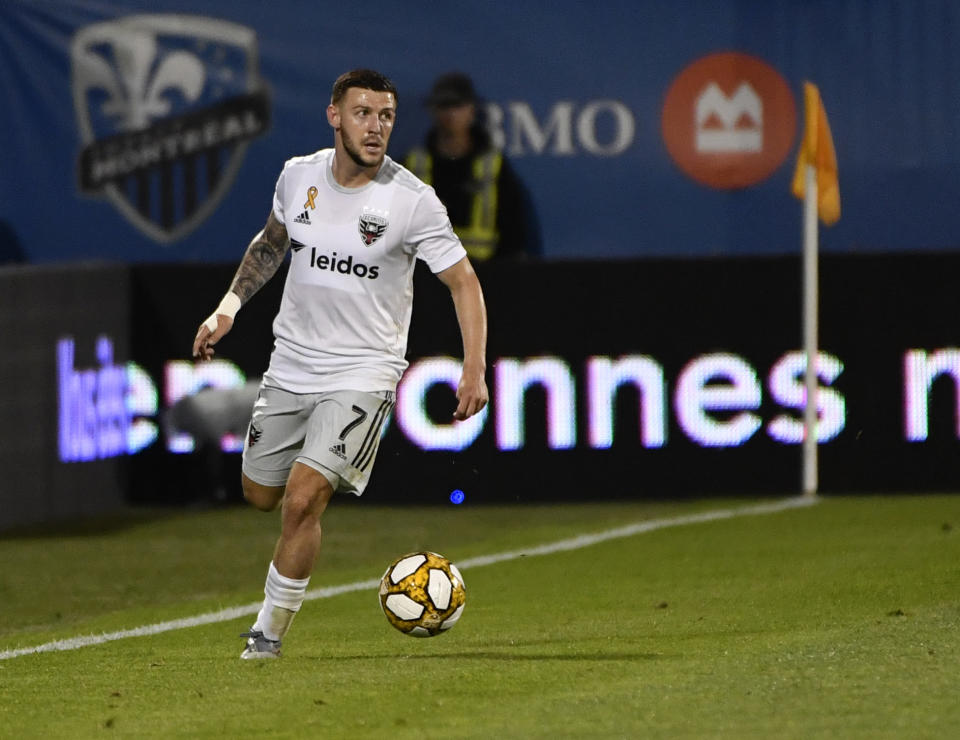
(488, 205)
(357, 222)
(208, 415)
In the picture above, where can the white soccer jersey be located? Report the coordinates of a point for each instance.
(347, 301)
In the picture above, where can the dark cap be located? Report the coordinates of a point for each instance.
(452, 89)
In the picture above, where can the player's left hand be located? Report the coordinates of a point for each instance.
(472, 395)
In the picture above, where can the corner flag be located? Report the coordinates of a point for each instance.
(817, 149)
(815, 183)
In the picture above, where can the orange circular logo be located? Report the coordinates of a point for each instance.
(729, 120)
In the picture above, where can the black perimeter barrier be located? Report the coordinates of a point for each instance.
(654, 378)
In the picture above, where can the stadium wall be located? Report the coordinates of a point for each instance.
(63, 392)
(153, 130)
(652, 378)
(651, 351)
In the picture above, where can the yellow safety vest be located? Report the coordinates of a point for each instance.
(479, 236)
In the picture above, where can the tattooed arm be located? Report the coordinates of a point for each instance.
(261, 259)
(260, 262)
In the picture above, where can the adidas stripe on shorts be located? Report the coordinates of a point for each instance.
(336, 433)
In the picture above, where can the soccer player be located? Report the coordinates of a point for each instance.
(356, 222)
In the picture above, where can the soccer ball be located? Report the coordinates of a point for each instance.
(422, 594)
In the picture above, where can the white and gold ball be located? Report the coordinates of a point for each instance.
(422, 594)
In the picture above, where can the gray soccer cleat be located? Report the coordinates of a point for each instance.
(259, 646)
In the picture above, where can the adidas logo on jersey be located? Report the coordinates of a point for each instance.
(303, 218)
(340, 450)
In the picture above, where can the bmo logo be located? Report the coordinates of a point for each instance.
(602, 128)
(729, 120)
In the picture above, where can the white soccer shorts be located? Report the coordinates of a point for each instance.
(336, 433)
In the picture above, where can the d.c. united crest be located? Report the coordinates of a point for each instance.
(166, 107)
(371, 227)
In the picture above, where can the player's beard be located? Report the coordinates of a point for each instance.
(356, 154)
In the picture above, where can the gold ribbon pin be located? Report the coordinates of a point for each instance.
(311, 195)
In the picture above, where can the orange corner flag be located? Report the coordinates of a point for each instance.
(817, 149)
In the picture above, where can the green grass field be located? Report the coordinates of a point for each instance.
(834, 620)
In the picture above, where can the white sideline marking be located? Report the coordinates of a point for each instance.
(573, 543)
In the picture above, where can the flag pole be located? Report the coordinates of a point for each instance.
(815, 182)
(810, 330)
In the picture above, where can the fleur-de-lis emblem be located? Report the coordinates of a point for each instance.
(134, 96)
(166, 105)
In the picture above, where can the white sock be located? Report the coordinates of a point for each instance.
(282, 600)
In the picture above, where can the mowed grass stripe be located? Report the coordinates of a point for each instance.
(564, 545)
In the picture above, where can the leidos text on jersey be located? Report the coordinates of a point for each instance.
(344, 266)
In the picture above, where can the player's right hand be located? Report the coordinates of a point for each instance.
(210, 332)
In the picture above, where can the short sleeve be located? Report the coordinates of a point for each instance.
(278, 197)
(432, 235)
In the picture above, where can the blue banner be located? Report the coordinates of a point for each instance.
(154, 131)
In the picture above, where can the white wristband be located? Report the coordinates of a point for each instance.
(228, 307)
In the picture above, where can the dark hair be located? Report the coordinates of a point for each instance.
(368, 79)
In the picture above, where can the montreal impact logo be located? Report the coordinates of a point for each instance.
(166, 107)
